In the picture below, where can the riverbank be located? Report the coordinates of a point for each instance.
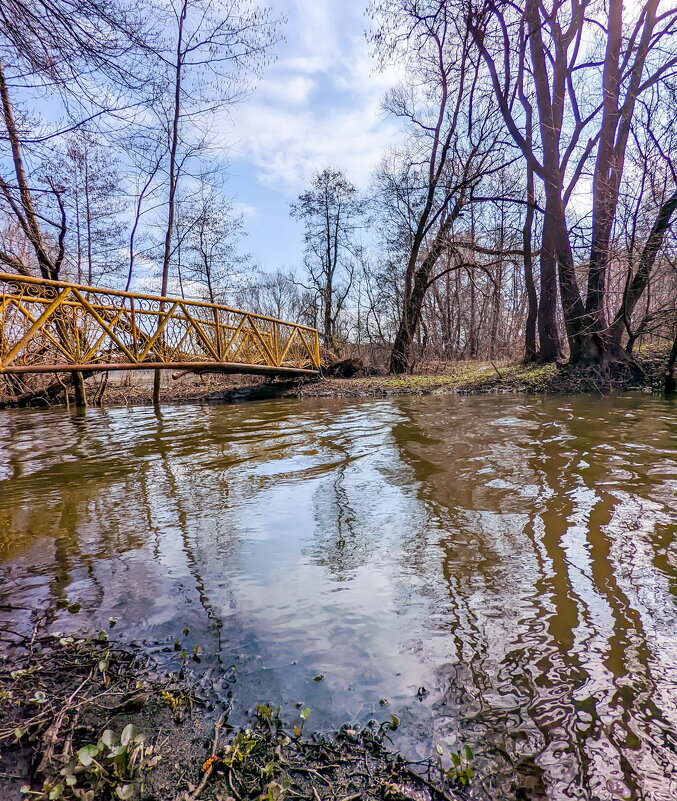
(478, 378)
(88, 719)
(646, 374)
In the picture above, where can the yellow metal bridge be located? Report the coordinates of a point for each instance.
(53, 326)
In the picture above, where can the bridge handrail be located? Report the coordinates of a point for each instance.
(82, 327)
(30, 279)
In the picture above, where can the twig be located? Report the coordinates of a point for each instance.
(51, 736)
(210, 767)
(312, 772)
(438, 791)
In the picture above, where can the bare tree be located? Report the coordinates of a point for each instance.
(331, 211)
(92, 193)
(213, 51)
(589, 63)
(213, 259)
(453, 144)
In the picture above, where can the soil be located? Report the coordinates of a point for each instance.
(88, 719)
(646, 373)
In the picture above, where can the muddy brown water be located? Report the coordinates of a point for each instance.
(495, 571)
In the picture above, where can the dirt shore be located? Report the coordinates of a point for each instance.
(646, 374)
(461, 378)
(91, 719)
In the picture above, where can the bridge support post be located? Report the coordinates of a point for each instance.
(79, 389)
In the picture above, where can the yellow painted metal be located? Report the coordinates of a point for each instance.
(53, 326)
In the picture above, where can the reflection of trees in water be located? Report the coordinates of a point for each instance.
(173, 500)
(344, 536)
(81, 513)
(554, 685)
(338, 544)
(44, 528)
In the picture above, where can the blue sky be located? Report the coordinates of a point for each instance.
(318, 105)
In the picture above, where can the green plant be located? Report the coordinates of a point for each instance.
(236, 752)
(461, 769)
(304, 714)
(109, 768)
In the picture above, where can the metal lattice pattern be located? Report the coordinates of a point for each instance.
(52, 326)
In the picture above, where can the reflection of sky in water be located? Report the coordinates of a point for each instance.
(510, 556)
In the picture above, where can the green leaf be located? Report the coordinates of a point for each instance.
(467, 752)
(456, 759)
(128, 734)
(19, 732)
(86, 754)
(71, 780)
(304, 714)
(395, 721)
(439, 749)
(55, 792)
(319, 677)
(108, 738)
(103, 665)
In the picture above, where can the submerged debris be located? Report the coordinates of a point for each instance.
(88, 720)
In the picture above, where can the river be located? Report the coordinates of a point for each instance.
(496, 571)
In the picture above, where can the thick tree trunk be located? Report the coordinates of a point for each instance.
(25, 213)
(670, 381)
(548, 333)
(49, 393)
(412, 302)
(530, 346)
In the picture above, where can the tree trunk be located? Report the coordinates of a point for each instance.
(412, 302)
(670, 382)
(173, 177)
(530, 347)
(26, 214)
(638, 284)
(548, 333)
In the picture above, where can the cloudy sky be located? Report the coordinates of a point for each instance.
(317, 106)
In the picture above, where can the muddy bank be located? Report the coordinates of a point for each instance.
(92, 720)
(645, 373)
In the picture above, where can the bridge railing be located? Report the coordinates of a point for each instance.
(54, 326)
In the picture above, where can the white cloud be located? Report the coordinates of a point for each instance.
(245, 209)
(319, 105)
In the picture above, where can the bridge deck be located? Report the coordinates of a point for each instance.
(54, 326)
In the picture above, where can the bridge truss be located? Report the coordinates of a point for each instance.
(53, 326)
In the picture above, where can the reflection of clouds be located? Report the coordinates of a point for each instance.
(490, 550)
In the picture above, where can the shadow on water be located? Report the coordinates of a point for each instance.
(499, 571)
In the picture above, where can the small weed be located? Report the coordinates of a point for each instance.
(461, 770)
(111, 767)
